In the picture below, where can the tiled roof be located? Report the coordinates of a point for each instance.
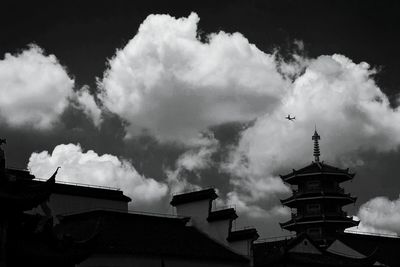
(388, 247)
(145, 235)
(21, 196)
(316, 168)
(85, 191)
(339, 221)
(321, 196)
(24, 177)
(281, 254)
(225, 214)
(194, 196)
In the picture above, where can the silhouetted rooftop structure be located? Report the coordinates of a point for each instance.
(206, 194)
(146, 235)
(27, 239)
(303, 251)
(86, 191)
(318, 199)
(250, 233)
(223, 214)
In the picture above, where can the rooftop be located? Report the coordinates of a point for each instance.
(317, 168)
(205, 194)
(142, 234)
(223, 214)
(243, 234)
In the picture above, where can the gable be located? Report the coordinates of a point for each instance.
(342, 249)
(305, 246)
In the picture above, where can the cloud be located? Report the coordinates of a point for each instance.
(195, 159)
(380, 215)
(168, 81)
(90, 168)
(33, 89)
(352, 115)
(243, 204)
(86, 102)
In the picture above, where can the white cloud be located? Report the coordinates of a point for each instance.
(380, 215)
(196, 158)
(351, 112)
(33, 89)
(90, 168)
(243, 204)
(167, 81)
(85, 101)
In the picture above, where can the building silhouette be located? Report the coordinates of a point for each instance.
(28, 239)
(63, 224)
(319, 222)
(317, 200)
(49, 223)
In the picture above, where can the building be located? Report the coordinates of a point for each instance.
(319, 222)
(84, 225)
(317, 200)
(196, 236)
(27, 239)
(216, 223)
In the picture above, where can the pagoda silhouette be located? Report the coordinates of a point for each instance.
(318, 199)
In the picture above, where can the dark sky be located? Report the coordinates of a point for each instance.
(83, 35)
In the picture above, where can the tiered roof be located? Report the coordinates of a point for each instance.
(340, 198)
(339, 221)
(318, 168)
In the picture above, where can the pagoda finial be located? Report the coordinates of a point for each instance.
(316, 138)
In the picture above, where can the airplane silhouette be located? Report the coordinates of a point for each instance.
(290, 118)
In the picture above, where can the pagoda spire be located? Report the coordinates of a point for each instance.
(316, 138)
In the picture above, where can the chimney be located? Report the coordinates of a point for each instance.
(242, 240)
(196, 205)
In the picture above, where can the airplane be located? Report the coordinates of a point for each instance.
(290, 118)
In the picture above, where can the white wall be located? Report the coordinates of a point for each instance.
(242, 247)
(130, 261)
(197, 211)
(219, 230)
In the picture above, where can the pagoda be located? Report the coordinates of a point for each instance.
(318, 199)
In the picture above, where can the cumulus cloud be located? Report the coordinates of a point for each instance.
(351, 113)
(246, 205)
(195, 159)
(86, 102)
(168, 81)
(90, 168)
(34, 89)
(380, 215)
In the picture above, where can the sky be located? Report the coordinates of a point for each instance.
(160, 97)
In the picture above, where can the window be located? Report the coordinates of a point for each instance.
(314, 231)
(313, 208)
(313, 185)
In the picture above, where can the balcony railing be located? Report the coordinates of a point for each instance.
(319, 190)
(298, 216)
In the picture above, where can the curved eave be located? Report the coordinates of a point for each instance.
(292, 178)
(27, 197)
(291, 201)
(291, 225)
